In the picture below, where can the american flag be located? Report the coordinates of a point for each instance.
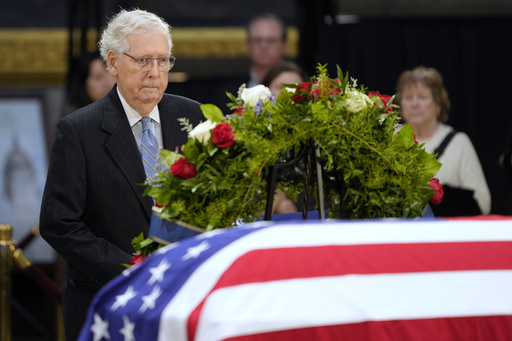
(336, 280)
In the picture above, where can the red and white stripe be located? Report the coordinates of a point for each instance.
(390, 280)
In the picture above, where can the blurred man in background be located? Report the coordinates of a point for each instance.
(266, 45)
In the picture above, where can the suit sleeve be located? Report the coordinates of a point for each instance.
(63, 208)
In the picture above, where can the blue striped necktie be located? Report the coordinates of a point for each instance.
(149, 149)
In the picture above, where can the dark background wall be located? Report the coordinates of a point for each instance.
(182, 13)
(374, 40)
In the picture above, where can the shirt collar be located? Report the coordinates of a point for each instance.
(133, 116)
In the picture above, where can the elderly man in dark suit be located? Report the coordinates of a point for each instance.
(92, 204)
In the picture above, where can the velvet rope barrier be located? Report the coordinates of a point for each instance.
(38, 276)
(28, 237)
(33, 271)
(9, 253)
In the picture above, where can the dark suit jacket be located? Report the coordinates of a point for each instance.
(92, 204)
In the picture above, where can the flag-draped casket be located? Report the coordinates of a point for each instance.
(342, 280)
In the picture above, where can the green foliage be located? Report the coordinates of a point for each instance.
(144, 246)
(386, 174)
(212, 112)
(223, 191)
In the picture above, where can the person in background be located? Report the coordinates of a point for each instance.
(424, 105)
(93, 82)
(92, 204)
(285, 72)
(266, 45)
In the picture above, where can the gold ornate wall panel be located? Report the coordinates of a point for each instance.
(226, 42)
(40, 56)
(33, 56)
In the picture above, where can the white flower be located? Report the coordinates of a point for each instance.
(202, 131)
(240, 89)
(251, 96)
(356, 101)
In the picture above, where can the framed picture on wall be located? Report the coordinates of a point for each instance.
(23, 168)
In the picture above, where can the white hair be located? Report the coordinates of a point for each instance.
(124, 23)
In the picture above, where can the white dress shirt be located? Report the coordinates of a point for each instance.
(134, 119)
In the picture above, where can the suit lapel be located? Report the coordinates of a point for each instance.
(167, 122)
(170, 110)
(123, 148)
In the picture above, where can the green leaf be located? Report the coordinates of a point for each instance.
(169, 157)
(405, 137)
(212, 112)
(231, 97)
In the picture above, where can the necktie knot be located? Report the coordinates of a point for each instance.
(145, 123)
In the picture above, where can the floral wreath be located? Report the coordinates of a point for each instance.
(218, 180)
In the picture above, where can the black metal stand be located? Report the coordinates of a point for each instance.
(309, 153)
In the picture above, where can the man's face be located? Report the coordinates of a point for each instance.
(141, 89)
(265, 44)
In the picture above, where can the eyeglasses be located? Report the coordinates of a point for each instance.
(145, 63)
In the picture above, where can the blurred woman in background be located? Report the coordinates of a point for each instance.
(425, 106)
(92, 83)
(283, 73)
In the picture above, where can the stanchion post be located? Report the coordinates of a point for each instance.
(6, 250)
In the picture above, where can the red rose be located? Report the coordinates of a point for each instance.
(385, 98)
(182, 169)
(325, 88)
(223, 135)
(317, 93)
(137, 259)
(239, 110)
(299, 98)
(301, 92)
(303, 86)
(335, 91)
(439, 192)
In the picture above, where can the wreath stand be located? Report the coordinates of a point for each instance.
(310, 155)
